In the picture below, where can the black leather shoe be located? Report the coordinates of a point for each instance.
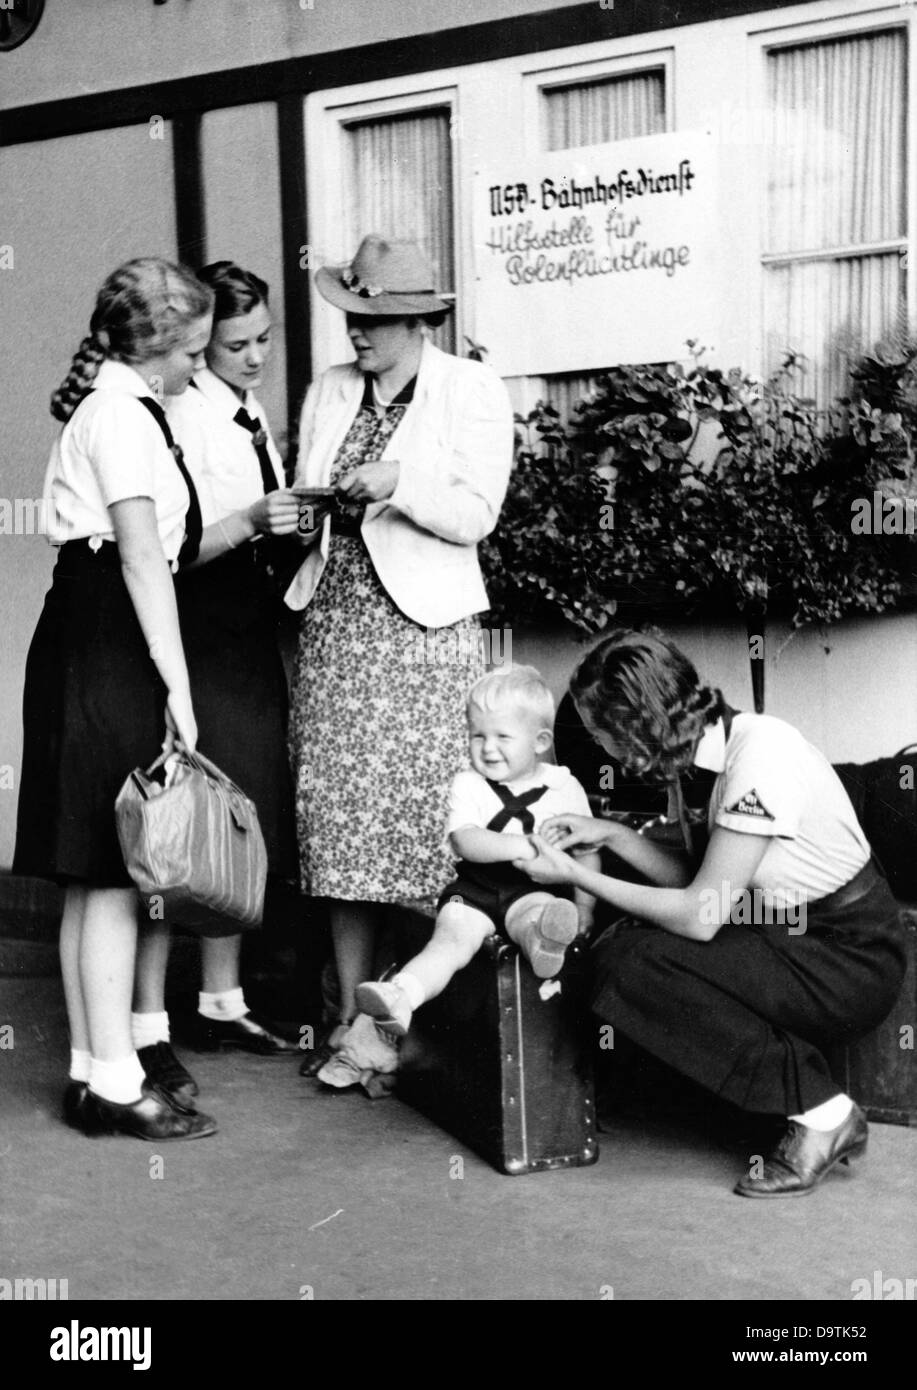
(74, 1107)
(164, 1070)
(152, 1117)
(246, 1033)
(804, 1156)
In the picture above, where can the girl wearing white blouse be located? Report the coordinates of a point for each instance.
(229, 614)
(106, 683)
(741, 971)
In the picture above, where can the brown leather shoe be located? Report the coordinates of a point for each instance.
(151, 1117)
(804, 1156)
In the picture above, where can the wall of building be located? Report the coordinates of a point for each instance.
(84, 46)
(242, 204)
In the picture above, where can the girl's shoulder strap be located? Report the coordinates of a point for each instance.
(159, 415)
(193, 521)
(153, 406)
(729, 715)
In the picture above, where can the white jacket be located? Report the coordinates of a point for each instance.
(454, 447)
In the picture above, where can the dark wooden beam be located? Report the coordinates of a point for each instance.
(297, 263)
(472, 43)
(188, 176)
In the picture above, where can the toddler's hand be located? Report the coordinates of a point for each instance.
(571, 832)
(553, 831)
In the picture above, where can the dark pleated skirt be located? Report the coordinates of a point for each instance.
(229, 618)
(93, 710)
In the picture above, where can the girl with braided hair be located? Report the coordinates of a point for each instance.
(106, 682)
(229, 615)
(744, 1003)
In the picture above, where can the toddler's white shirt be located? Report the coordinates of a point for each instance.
(473, 801)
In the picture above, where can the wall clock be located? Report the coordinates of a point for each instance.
(18, 20)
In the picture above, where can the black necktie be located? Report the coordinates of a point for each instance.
(259, 440)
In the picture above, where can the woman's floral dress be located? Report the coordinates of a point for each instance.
(377, 725)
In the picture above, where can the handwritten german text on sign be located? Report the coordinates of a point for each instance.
(589, 257)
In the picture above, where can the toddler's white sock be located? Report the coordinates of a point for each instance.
(119, 1081)
(147, 1029)
(414, 990)
(828, 1115)
(224, 1007)
(79, 1064)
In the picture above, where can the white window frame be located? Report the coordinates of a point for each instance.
(542, 78)
(764, 41)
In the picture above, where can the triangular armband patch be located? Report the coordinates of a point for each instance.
(750, 804)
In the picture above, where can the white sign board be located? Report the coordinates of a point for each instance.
(591, 257)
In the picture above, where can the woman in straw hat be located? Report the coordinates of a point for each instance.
(418, 445)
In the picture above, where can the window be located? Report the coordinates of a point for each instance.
(593, 113)
(398, 174)
(835, 203)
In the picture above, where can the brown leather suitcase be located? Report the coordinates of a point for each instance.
(504, 1071)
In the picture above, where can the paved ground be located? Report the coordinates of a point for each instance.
(356, 1199)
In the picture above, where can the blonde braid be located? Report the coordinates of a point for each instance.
(84, 369)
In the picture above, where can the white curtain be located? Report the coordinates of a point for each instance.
(591, 113)
(617, 108)
(831, 311)
(836, 179)
(399, 183)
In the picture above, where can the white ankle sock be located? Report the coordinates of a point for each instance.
(119, 1081)
(416, 994)
(80, 1063)
(828, 1115)
(147, 1029)
(224, 1007)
